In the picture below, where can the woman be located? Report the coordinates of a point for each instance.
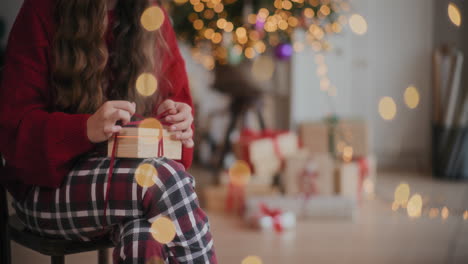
(68, 85)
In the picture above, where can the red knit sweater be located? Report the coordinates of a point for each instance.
(40, 145)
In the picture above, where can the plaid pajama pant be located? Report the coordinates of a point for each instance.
(75, 211)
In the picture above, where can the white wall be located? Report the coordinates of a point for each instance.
(8, 11)
(395, 53)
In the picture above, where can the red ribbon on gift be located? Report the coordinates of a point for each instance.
(235, 198)
(275, 215)
(248, 136)
(114, 150)
(308, 179)
(363, 173)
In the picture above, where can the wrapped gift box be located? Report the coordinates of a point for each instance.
(304, 164)
(134, 142)
(353, 179)
(214, 197)
(314, 137)
(354, 134)
(316, 208)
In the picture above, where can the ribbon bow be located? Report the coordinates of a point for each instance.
(275, 215)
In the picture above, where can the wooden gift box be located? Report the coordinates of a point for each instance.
(134, 142)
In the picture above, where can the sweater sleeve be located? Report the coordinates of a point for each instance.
(40, 144)
(176, 75)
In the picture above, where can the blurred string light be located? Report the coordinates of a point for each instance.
(401, 195)
(387, 108)
(163, 230)
(252, 260)
(240, 173)
(146, 175)
(454, 14)
(444, 213)
(347, 154)
(146, 84)
(273, 26)
(358, 24)
(411, 97)
(152, 18)
(414, 206)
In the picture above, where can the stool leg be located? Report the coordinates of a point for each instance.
(103, 257)
(57, 260)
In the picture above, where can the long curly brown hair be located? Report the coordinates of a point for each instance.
(83, 68)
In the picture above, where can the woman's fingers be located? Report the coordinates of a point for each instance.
(184, 111)
(181, 126)
(184, 135)
(123, 105)
(122, 115)
(188, 143)
(167, 105)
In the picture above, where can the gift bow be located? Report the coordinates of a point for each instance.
(363, 173)
(114, 150)
(275, 215)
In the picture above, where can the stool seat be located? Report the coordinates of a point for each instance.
(51, 246)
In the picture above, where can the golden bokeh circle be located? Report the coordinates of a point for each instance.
(411, 97)
(444, 213)
(152, 123)
(263, 68)
(146, 84)
(414, 207)
(240, 173)
(163, 230)
(152, 18)
(454, 14)
(387, 108)
(358, 24)
(252, 260)
(155, 260)
(402, 193)
(145, 175)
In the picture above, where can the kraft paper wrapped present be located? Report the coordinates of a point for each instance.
(134, 142)
(353, 134)
(357, 178)
(308, 173)
(314, 137)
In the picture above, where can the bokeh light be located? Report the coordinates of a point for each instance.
(401, 194)
(358, 24)
(163, 230)
(411, 97)
(152, 18)
(444, 213)
(347, 154)
(465, 215)
(145, 175)
(240, 173)
(155, 260)
(150, 123)
(263, 68)
(146, 84)
(395, 206)
(414, 207)
(454, 14)
(387, 108)
(252, 260)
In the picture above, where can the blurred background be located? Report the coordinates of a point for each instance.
(327, 131)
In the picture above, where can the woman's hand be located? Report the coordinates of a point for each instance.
(102, 124)
(181, 118)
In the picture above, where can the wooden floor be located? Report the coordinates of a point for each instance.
(378, 236)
